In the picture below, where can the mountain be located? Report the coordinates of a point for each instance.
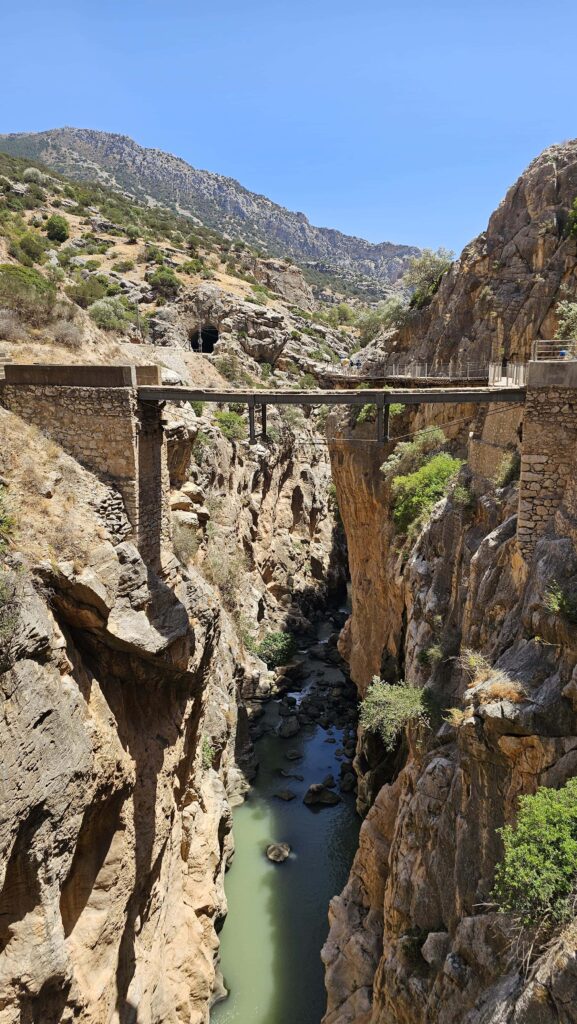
(213, 200)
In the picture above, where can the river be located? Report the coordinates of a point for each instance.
(277, 918)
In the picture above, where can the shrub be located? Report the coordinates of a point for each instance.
(509, 470)
(33, 174)
(57, 228)
(32, 245)
(7, 521)
(184, 543)
(367, 414)
(88, 290)
(231, 425)
(276, 648)
(390, 314)
(197, 408)
(27, 292)
(387, 709)
(207, 753)
(536, 879)
(132, 233)
(164, 282)
(10, 327)
(109, 313)
(9, 605)
(415, 494)
(67, 334)
(122, 266)
(424, 274)
(409, 455)
(561, 602)
(566, 319)
(224, 566)
(307, 382)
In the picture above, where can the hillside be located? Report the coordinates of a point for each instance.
(215, 201)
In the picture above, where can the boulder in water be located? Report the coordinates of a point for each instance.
(285, 794)
(321, 796)
(293, 755)
(278, 852)
(348, 782)
(288, 727)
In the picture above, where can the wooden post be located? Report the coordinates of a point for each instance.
(251, 427)
(263, 420)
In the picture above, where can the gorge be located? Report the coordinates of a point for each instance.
(175, 642)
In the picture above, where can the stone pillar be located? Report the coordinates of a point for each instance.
(549, 449)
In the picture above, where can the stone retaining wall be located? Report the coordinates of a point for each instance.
(548, 456)
(121, 440)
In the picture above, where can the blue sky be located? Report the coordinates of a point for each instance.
(402, 121)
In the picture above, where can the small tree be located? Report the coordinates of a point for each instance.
(424, 274)
(567, 320)
(132, 233)
(57, 228)
(387, 709)
(110, 313)
(415, 495)
(164, 282)
(276, 648)
(389, 314)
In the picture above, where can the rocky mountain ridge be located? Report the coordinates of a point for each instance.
(211, 199)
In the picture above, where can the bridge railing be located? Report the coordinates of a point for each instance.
(504, 374)
(555, 350)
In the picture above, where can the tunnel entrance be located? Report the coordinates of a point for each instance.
(203, 339)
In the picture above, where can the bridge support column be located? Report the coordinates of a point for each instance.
(263, 421)
(251, 423)
(382, 418)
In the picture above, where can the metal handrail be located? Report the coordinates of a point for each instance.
(557, 349)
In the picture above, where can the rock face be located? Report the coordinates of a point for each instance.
(120, 692)
(502, 292)
(413, 938)
(212, 199)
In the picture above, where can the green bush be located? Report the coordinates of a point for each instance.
(415, 494)
(57, 228)
(509, 470)
(207, 753)
(88, 290)
(27, 292)
(164, 282)
(110, 313)
(32, 245)
(560, 601)
(536, 879)
(424, 274)
(566, 319)
(122, 266)
(276, 648)
(7, 521)
(389, 314)
(367, 413)
(388, 708)
(409, 455)
(197, 408)
(231, 425)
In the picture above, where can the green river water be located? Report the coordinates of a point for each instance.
(277, 919)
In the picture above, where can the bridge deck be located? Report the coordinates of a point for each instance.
(377, 396)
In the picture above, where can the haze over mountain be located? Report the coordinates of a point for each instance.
(214, 200)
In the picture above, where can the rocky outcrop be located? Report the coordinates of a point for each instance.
(212, 199)
(502, 292)
(120, 752)
(413, 936)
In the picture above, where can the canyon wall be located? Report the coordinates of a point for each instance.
(415, 937)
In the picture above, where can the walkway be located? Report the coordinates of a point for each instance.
(369, 396)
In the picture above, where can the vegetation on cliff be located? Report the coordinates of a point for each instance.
(537, 878)
(388, 708)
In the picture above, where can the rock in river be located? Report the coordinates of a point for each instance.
(285, 794)
(278, 852)
(317, 794)
(288, 727)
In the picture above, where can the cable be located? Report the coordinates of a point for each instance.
(399, 437)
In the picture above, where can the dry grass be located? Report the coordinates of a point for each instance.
(62, 527)
(456, 716)
(502, 688)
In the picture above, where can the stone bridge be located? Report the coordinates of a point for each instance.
(110, 419)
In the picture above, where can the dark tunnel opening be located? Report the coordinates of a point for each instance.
(203, 339)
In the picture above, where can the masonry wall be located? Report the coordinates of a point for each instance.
(111, 433)
(549, 450)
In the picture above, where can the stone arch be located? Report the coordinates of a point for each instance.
(203, 338)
